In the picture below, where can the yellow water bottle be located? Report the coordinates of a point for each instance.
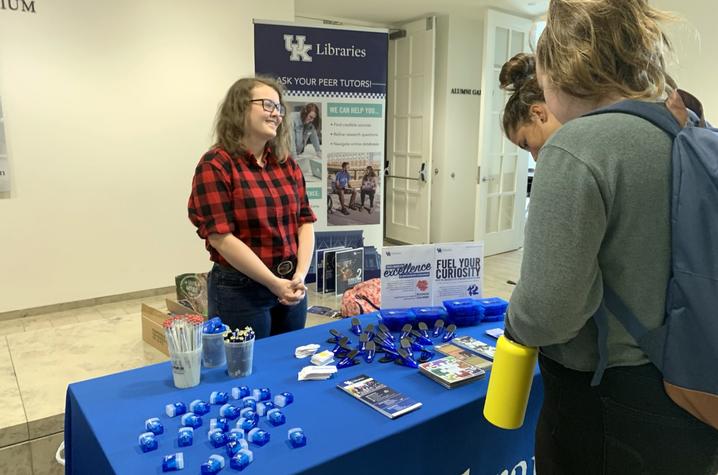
(510, 384)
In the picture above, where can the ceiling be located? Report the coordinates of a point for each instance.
(395, 12)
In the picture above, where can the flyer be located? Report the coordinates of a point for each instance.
(406, 276)
(458, 271)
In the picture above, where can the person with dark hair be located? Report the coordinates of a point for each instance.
(368, 188)
(249, 204)
(600, 215)
(307, 125)
(527, 121)
(342, 186)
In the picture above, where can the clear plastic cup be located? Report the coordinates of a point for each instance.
(239, 358)
(213, 353)
(186, 368)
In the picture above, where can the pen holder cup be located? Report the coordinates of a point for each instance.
(186, 368)
(239, 358)
(510, 384)
(213, 353)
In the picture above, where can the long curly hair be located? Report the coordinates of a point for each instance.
(231, 121)
(594, 48)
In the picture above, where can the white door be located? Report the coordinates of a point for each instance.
(501, 180)
(410, 113)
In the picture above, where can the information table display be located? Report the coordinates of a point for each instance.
(447, 435)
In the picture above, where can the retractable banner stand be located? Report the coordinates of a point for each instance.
(335, 79)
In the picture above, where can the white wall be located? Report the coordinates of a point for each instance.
(108, 108)
(694, 39)
(456, 128)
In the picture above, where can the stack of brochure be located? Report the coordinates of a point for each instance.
(451, 372)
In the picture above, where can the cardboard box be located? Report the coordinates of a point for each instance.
(153, 332)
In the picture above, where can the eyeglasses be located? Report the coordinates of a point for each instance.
(269, 106)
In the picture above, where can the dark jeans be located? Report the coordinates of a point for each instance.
(370, 194)
(626, 425)
(239, 301)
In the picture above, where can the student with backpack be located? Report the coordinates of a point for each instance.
(598, 243)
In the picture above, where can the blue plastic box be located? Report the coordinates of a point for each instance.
(430, 315)
(494, 308)
(464, 312)
(395, 318)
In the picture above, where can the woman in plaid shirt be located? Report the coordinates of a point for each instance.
(249, 204)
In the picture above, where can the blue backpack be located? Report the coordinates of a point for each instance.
(685, 347)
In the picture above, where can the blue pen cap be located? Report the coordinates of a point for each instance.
(276, 417)
(172, 463)
(241, 460)
(154, 425)
(263, 407)
(248, 413)
(218, 397)
(262, 394)
(240, 392)
(213, 465)
(296, 437)
(246, 424)
(249, 401)
(147, 441)
(199, 407)
(219, 423)
(213, 325)
(185, 436)
(191, 420)
(229, 411)
(217, 438)
(176, 409)
(258, 436)
(283, 399)
(235, 434)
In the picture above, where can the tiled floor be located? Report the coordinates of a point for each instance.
(42, 354)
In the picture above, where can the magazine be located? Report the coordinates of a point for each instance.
(349, 269)
(451, 372)
(379, 396)
(463, 354)
(476, 346)
(319, 257)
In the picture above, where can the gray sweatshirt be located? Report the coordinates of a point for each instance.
(599, 211)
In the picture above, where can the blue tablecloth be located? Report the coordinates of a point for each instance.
(104, 416)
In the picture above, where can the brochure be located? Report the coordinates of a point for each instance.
(463, 354)
(349, 269)
(379, 396)
(319, 257)
(475, 346)
(451, 372)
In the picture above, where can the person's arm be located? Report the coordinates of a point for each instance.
(561, 283)
(305, 250)
(314, 139)
(242, 258)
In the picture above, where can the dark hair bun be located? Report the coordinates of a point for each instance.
(516, 71)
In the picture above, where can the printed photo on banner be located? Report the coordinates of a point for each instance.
(353, 188)
(305, 126)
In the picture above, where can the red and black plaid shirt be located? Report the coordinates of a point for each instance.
(263, 207)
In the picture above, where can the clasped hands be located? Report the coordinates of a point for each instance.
(290, 292)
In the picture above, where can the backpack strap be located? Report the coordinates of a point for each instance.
(655, 113)
(651, 342)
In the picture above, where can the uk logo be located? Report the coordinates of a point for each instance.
(299, 51)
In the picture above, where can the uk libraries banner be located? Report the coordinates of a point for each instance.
(335, 79)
